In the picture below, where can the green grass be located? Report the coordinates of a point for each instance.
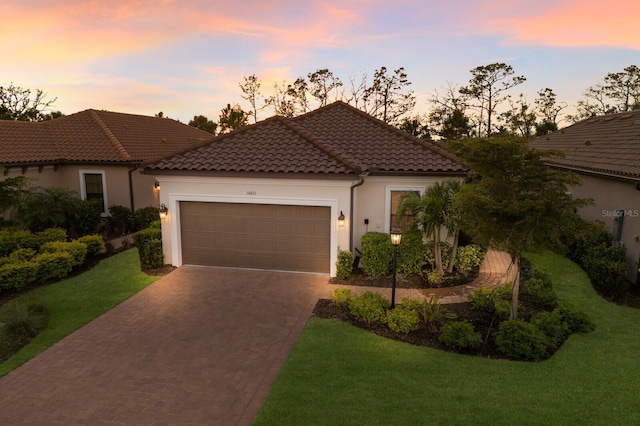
(74, 302)
(339, 374)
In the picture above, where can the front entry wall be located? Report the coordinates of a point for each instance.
(261, 236)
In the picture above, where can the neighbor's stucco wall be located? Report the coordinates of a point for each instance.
(173, 189)
(609, 196)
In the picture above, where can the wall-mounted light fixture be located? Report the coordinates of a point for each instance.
(163, 210)
(157, 185)
(341, 219)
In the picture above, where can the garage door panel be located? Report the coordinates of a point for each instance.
(260, 236)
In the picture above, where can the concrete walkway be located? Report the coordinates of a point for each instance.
(201, 346)
(494, 271)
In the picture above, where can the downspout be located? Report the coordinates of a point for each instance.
(131, 187)
(351, 224)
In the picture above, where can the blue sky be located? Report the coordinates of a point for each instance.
(187, 57)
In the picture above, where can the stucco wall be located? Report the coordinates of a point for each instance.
(610, 196)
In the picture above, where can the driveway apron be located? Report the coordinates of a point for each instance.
(200, 346)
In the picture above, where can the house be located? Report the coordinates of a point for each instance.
(605, 152)
(95, 153)
(288, 193)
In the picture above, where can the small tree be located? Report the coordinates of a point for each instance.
(515, 202)
(203, 123)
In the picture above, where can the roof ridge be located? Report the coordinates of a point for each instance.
(317, 142)
(110, 136)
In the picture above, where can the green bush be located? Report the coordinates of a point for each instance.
(50, 235)
(431, 312)
(121, 220)
(468, 258)
(606, 268)
(577, 320)
(403, 320)
(494, 301)
(460, 336)
(76, 249)
(22, 321)
(144, 217)
(341, 296)
(156, 224)
(552, 325)
(377, 253)
(17, 275)
(445, 251)
(344, 267)
(53, 265)
(581, 236)
(149, 243)
(369, 307)
(541, 291)
(94, 243)
(22, 255)
(521, 340)
(411, 253)
(87, 217)
(11, 240)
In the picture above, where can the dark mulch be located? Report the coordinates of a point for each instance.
(425, 336)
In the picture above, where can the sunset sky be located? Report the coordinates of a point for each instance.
(186, 57)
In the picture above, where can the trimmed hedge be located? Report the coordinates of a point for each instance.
(377, 253)
(149, 243)
(53, 265)
(76, 249)
(344, 267)
(12, 239)
(94, 243)
(18, 275)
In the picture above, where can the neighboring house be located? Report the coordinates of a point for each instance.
(605, 152)
(94, 153)
(270, 195)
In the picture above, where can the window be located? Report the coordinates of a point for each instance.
(392, 201)
(93, 186)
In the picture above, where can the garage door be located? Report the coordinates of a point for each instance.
(262, 236)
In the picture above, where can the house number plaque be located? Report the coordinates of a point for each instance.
(251, 192)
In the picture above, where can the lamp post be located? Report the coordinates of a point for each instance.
(396, 236)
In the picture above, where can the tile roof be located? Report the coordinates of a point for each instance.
(608, 144)
(95, 136)
(334, 140)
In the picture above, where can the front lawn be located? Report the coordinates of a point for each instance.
(340, 374)
(74, 302)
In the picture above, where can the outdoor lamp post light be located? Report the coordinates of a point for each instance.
(341, 220)
(163, 211)
(396, 236)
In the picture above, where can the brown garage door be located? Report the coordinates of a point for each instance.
(263, 236)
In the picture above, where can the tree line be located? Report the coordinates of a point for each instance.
(486, 105)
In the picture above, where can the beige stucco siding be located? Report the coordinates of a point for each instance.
(609, 196)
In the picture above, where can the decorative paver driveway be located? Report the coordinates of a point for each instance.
(201, 346)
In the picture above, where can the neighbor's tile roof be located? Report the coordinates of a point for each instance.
(95, 136)
(608, 144)
(336, 139)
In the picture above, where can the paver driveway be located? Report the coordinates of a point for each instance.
(200, 346)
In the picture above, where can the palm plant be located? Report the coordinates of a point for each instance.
(433, 211)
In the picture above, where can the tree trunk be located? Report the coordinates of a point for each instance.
(454, 250)
(437, 252)
(515, 292)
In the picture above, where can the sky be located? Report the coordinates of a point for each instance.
(187, 57)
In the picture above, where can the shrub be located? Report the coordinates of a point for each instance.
(344, 265)
(22, 321)
(494, 301)
(577, 320)
(53, 265)
(435, 277)
(468, 258)
(541, 291)
(521, 340)
(377, 253)
(121, 220)
(581, 236)
(22, 255)
(149, 243)
(431, 312)
(156, 224)
(144, 217)
(50, 235)
(369, 307)
(17, 275)
(403, 320)
(341, 296)
(411, 253)
(88, 215)
(94, 243)
(76, 249)
(551, 324)
(445, 250)
(606, 268)
(460, 336)
(11, 239)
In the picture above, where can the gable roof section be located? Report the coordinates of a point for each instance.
(94, 136)
(334, 140)
(605, 145)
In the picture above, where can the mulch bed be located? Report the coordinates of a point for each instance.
(359, 278)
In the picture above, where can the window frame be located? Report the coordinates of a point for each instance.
(83, 187)
(387, 200)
